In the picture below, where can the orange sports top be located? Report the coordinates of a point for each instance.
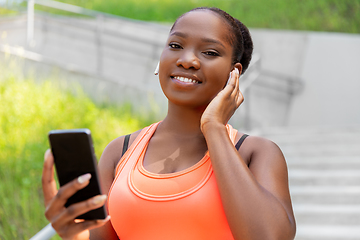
(182, 205)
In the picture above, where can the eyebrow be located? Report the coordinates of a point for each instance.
(209, 40)
(180, 34)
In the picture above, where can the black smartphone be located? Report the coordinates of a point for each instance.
(74, 156)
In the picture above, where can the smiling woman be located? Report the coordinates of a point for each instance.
(201, 53)
(187, 177)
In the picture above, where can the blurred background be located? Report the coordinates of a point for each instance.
(90, 63)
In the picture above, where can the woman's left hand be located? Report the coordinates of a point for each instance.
(223, 106)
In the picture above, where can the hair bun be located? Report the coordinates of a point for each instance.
(247, 45)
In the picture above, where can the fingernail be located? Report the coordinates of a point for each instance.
(104, 220)
(229, 78)
(47, 154)
(99, 199)
(84, 178)
(237, 71)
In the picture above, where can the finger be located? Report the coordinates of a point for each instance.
(237, 87)
(47, 179)
(240, 99)
(234, 83)
(229, 88)
(66, 191)
(77, 209)
(237, 76)
(81, 226)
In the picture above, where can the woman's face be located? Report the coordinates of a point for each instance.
(197, 59)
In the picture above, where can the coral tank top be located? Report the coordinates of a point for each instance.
(182, 205)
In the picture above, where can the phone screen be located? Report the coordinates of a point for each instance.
(74, 156)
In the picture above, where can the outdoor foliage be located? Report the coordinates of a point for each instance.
(7, 12)
(315, 15)
(28, 112)
(309, 15)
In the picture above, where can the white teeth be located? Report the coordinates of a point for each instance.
(187, 80)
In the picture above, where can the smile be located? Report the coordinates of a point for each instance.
(185, 80)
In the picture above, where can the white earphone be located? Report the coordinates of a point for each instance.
(156, 72)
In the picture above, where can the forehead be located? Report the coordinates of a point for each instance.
(203, 23)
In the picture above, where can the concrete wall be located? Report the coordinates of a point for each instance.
(331, 71)
(327, 63)
(114, 62)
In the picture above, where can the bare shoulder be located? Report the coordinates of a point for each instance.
(268, 165)
(258, 150)
(113, 151)
(260, 145)
(110, 158)
(267, 159)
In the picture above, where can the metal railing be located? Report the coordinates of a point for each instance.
(98, 28)
(44, 234)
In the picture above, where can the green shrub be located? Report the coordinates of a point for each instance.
(318, 15)
(309, 15)
(7, 12)
(28, 111)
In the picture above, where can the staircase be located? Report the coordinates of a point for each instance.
(324, 178)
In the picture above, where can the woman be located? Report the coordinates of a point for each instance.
(184, 178)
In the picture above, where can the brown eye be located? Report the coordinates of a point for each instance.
(174, 45)
(211, 53)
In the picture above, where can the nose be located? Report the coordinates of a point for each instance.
(188, 60)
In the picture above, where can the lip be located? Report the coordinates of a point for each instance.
(185, 75)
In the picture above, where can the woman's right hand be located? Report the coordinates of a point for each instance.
(63, 219)
(224, 105)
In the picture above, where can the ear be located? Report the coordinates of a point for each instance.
(239, 67)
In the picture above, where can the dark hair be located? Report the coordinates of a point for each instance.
(240, 39)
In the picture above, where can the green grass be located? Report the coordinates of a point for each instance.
(28, 112)
(310, 15)
(7, 12)
(315, 15)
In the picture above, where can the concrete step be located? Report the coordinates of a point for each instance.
(309, 177)
(302, 142)
(323, 162)
(341, 138)
(310, 131)
(325, 194)
(307, 150)
(324, 180)
(327, 232)
(327, 214)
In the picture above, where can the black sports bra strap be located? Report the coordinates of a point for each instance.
(127, 138)
(126, 144)
(238, 144)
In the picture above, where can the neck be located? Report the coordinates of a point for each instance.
(182, 121)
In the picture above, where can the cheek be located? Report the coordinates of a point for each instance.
(221, 75)
(217, 82)
(166, 60)
(222, 66)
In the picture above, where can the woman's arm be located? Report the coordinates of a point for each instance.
(255, 198)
